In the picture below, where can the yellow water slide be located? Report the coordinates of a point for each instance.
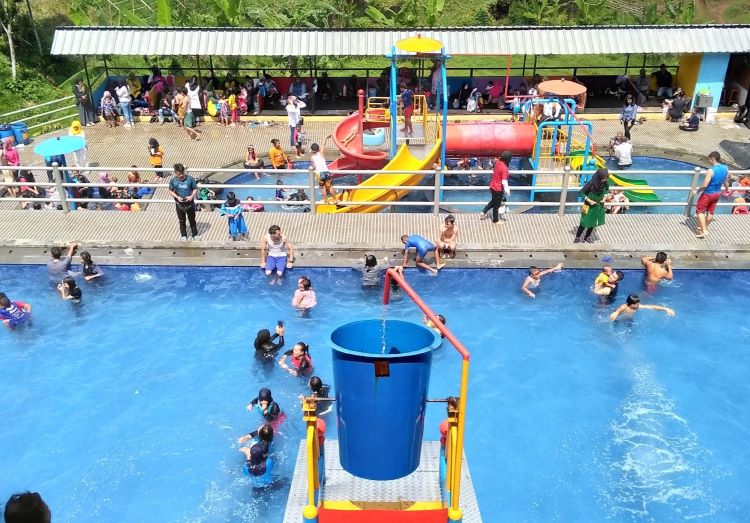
(403, 161)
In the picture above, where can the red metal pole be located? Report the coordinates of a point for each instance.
(391, 274)
(507, 75)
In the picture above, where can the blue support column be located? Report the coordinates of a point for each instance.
(711, 76)
(444, 127)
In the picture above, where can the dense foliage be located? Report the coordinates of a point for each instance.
(37, 73)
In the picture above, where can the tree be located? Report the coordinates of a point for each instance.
(8, 16)
(411, 13)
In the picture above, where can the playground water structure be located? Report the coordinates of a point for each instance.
(547, 145)
(568, 414)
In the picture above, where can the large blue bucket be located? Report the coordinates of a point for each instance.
(21, 132)
(381, 372)
(6, 132)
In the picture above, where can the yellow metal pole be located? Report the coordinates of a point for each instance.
(454, 512)
(310, 512)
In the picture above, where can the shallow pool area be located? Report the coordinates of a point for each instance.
(451, 199)
(128, 406)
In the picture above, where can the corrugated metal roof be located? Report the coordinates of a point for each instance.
(457, 41)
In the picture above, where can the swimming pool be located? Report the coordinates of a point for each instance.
(472, 178)
(127, 408)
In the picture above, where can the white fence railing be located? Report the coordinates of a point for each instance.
(55, 179)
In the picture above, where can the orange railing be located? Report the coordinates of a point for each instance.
(453, 474)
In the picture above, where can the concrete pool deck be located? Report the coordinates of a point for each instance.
(326, 240)
(338, 240)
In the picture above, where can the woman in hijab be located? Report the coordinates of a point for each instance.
(592, 211)
(265, 348)
(83, 101)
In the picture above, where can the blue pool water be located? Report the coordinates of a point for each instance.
(127, 408)
(470, 178)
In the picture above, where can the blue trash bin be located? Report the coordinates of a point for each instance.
(6, 132)
(21, 133)
(381, 373)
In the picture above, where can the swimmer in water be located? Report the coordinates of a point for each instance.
(13, 313)
(371, 270)
(318, 389)
(423, 247)
(256, 454)
(631, 306)
(304, 297)
(69, 290)
(607, 281)
(534, 278)
(265, 347)
(268, 407)
(658, 268)
(299, 357)
(89, 269)
(428, 323)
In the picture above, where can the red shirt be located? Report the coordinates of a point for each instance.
(499, 173)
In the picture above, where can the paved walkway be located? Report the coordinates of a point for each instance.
(338, 239)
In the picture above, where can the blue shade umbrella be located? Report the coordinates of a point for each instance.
(55, 149)
(60, 145)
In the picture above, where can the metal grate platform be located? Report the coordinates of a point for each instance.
(421, 485)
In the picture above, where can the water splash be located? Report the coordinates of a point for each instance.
(654, 462)
(142, 277)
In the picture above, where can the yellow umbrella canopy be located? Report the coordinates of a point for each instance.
(419, 44)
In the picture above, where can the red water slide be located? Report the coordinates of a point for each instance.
(489, 138)
(348, 138)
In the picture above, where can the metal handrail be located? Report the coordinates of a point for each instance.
(454, 510)
(64, 198)
(31, 108)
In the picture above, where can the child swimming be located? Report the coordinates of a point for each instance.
(299, 357)
(534, 278)
(304, 297)
(631, 306)
(428, 323)
(13, 313)
(269, 409)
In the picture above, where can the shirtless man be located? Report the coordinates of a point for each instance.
(657, 268)
(632, 305)
(448, 238)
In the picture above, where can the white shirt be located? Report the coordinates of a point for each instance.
(195, 101)
(293, 112)
(624, 154)
(552, 109)
(319, 162)
(123, 93)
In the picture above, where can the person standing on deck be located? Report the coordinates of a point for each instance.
(710, 192)
(592, 211)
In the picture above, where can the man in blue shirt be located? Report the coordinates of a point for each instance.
(184, 189)
(422, 246)
(710, 192)
(407, 101)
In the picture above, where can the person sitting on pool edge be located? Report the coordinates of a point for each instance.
(448, 237)
(13, 312)
(299, 357)
(27, 507)
(658, 268)
(276, 254)
(422, 247)
(269, 409)
(631, 306)
(265, 348)
(534, 278)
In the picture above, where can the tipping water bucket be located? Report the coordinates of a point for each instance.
(381, 373)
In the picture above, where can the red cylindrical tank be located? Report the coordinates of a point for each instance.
(489, 138)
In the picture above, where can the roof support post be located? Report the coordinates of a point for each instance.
(523, 70)
(198, 65)
(88, 79)
(106, 67)
(534, 73)
(627, 62)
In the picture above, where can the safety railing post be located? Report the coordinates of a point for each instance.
(693, 188)
(311, 186)
(564, 191)
(57, 175)
(438, 188)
